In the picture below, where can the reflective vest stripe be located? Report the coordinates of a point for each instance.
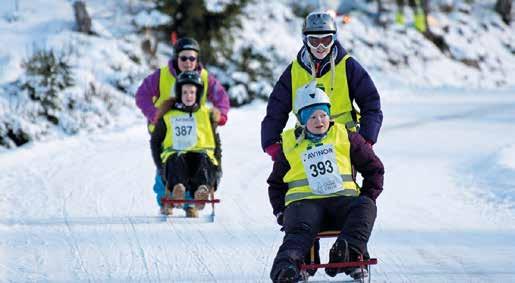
(304, 182)
(298, 196)
(197, 149)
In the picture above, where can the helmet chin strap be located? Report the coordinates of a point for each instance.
(313, 60)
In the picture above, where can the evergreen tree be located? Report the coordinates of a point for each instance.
(48, 73)
(503, 7)
(212, 28)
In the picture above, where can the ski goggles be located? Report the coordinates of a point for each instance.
(186, 58)
(315, 40)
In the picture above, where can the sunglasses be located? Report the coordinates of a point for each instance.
(315, 40)
(186, 58)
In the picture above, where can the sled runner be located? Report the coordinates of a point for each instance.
(364, 264)
(168, 201)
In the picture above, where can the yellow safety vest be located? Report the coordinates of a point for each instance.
(205, 141)
(296, 177)
(166, 88)
(341, 105)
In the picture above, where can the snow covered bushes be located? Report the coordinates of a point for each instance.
(47, 74)
(36, 97)
(12, 135)
(248, 75)
(54, 97)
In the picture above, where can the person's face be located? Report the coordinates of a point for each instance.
(188, 94)
(320, 52)
(318, 122)
(187, 60)
(320, 45)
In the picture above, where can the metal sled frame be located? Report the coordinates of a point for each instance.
(360, 263)
(166, 200)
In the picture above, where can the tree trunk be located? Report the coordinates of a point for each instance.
(82, 17)
(503, 7)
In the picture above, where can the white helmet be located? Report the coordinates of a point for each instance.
(309, 95)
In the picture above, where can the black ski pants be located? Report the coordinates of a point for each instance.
(353, 216)
(191, 169)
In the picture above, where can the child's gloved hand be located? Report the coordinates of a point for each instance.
(274, 150)
(218, 116)
(280, 218)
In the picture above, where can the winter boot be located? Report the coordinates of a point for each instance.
(178, 194)
(202, 193)
(289, 274)
(313, 258)
(358, 273)
(339, 253)
(191, 212)
(166, 210)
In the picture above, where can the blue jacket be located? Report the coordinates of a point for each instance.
(361, 89)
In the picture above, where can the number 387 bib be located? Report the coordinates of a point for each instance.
(322, 170)
(184, 131)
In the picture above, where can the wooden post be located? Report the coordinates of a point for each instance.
(82, 17)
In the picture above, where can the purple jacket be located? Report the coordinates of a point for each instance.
(362, 158)
(150, 89)
(361, 89)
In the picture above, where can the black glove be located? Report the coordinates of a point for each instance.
(280, 218)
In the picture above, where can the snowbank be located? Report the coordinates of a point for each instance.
(507, 157)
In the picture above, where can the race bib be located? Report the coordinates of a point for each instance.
(322, 170)
(184, 132)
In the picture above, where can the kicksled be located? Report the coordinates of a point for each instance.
(210, 202)
(364, 264)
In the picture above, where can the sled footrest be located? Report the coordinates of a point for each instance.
(192, 201)
(371, 261)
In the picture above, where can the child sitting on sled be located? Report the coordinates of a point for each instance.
(312, 186)
(183, 145)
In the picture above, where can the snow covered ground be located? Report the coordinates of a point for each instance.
(71, 208)
(81, 208)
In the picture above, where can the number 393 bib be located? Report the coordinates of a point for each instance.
(184, 131)
(322, 170)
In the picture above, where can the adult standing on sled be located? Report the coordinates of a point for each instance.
(158, 87)
(183, 144)
(312, 186)
(323, 59)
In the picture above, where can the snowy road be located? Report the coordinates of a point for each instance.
(69, 208)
